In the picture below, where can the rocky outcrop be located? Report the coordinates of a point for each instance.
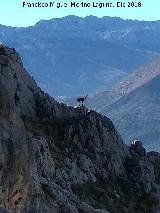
(55, 158)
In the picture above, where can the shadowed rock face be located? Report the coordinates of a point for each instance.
(4, 102)
(55, 158)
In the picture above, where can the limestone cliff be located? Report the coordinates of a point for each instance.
(55, 158)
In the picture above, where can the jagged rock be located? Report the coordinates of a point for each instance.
(137, 148)
(140, 168)
(47, 150)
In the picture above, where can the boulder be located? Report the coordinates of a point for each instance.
(137, 148)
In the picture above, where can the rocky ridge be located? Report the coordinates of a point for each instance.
(55, 158)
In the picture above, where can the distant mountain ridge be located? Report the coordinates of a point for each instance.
(135, 80)
(134, 105)
(137, 114)
(73, 56)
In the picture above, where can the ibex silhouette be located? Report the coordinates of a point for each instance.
(81, 100)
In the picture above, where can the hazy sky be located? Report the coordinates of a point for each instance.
(13, 14)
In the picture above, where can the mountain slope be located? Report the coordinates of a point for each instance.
(135, 105)
(136, 115)
(135, 80)
(65, 54)
(57, 159)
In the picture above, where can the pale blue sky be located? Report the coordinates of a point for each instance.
(13, 14)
